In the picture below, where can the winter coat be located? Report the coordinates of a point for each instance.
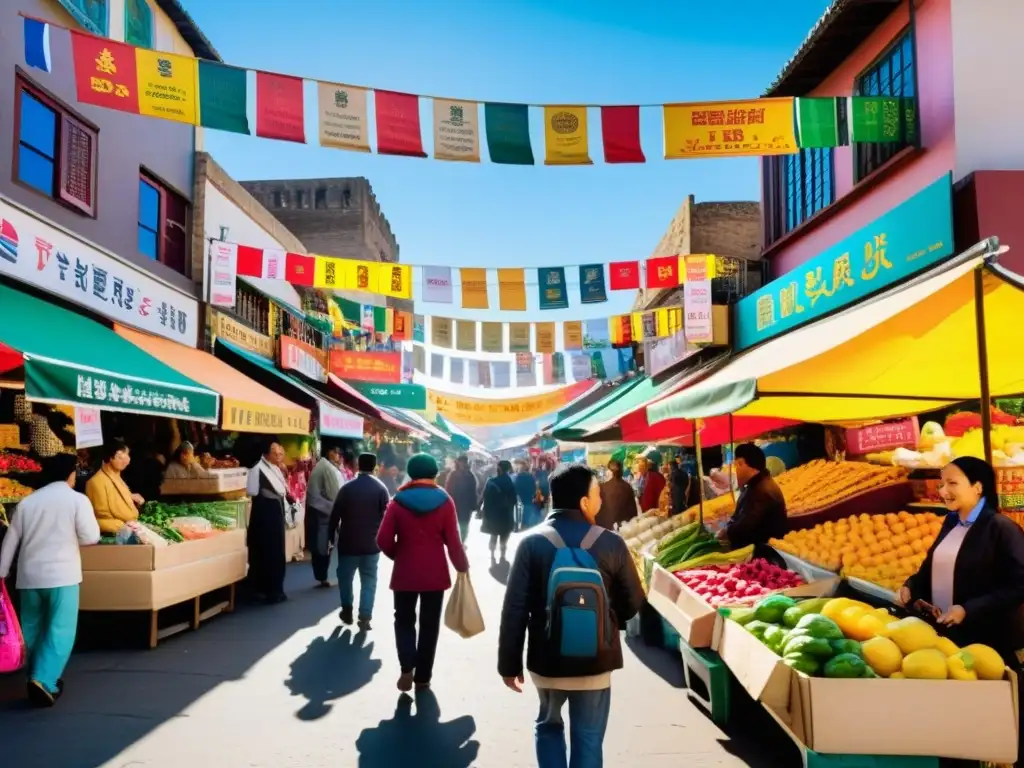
(419, 526)
(357, 515)
(499, 506)
(654, 484)
(461, 486)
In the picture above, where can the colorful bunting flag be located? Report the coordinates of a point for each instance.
(398, 124)
(751, 128)
(37, 44)
(350, 310)
(669, 321)
(441, 332)
(512, 289)
(875, 119)
(663, 272)
(557, 368)
(380, 319)
(620, 132)
(636, 326)
(624, 275)
(343, 116)
(105, 74)
(456, 131)
(565, 136)
(518, 337)
(526, 371)
(465, 335)
(572, 335)
(551, 283)
(403, 326)
(620, 330)
(419, 328)
(168, 85)
(817, 122)
(300, 270)
(223, 97)
(492, 337)
(474, 288)
(508, 134)
(545, 337)
(367, 323)
(394, 280)
(597, 334)
(581, 367)
(592, 289)
(437, 285)
(279, 107)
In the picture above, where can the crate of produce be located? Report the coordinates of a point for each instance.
(223, 481)
(10, 436)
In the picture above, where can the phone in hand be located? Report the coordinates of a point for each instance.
(922, 606)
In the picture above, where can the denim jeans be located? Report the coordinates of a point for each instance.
(588, 720)
(367, 567)
(49, 622)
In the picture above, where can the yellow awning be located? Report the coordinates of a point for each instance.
(246, 406)
(909, 351)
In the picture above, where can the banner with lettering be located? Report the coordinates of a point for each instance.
(478, 412)
(298, 356)
(492, 337)
(751, 128)
(518, 337)
(565, 136)
(334, 422)
(465, 335)
(592, 290)
(572, 335)
(377, 367)
(441, 332)
(512, 290)
(412, 397)
(474, 287)
(545, 341)
(437, 285)
(553, 293)
(168, 85)
(344, 117)
(456, 131)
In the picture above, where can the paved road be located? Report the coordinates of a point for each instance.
(286, 686)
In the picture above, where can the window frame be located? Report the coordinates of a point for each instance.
(65, 116)
(85, 20)
(164, 190)
(149, 44)
(869, 158)
(776, 217)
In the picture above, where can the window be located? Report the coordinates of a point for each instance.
(796, 187)
(163, 224)
(301, 199)
(91, 14)
(892, 74)
(138, 23)
(56, 150)
(321, 198)
(346, 198)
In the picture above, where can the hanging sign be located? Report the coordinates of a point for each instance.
(883, 437)
(223, 273)
(88, 428)
(697, 323)
(412, 397)
(303, 358)
(335, 422)
(478, 412)
(378, 367)
(242, 336)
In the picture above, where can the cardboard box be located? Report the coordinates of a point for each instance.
(145, 557)
(680, 606)
(126, 590)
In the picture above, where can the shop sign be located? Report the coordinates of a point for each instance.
(911, 237)
(335, 422)
(248, 417)
(378, 367)
(411, 397)
(883, 437)
(48, 258)
(223, 267)
(242, 336)
(697, 322)
(303, 358)
(660, 354)
(88, 428)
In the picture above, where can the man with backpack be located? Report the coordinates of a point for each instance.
(571, 588)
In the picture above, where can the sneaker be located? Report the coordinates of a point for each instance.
(363, 624)
(345, 615)
(40, 697)
(405, 682)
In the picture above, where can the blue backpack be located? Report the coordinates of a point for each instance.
(579, 621)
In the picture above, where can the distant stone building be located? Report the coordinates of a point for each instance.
(731, 231)
(335, 217)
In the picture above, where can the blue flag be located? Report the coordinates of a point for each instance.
(553, 294)
(592, 290)
(37, 44)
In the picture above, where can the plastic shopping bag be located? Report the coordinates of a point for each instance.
(462, 614)
(12, 644)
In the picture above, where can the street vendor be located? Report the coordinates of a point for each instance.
(112, 499)
(760, 508)
(185, 466)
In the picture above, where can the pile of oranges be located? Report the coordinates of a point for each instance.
(882, 549)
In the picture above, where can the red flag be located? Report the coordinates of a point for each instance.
(401, 329)
(624, 276)
(624, 335)
(620, 130)
(105, 72)
(298, 269)
(279, 110)
(398, 124)
(250, 261)
(663, 272)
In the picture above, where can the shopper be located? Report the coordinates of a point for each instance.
(680, 485)
(184, 465)
(618, 502)
(760, 512)
(419, 527)
(499, 508)
(355, 520)
(526, 489)
(573, 665)
(266, 534)
(324, 483)
(390, 477)
(461, 486)
(48, 528)
(112, 500)
(653, 482)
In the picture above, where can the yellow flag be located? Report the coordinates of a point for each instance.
(545, 337)
(669, 321)
(512, 289)
(441, 332)
(572, 335)
(518, 337)
(343, 117)
(755, 127)
(465, 335)
(474, 287)
(389, 321)
(456, 130)
(168, 85)
(636, 321)
(701, 266)
(360, 275)
(329, 273)
(394, 280)
(492, 337)
(565, 136)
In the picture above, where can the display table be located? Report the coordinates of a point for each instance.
(139, 577)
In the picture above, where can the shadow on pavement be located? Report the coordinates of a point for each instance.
(665, 664)
(419, 739)
(331, 668)
(115, 698)
(499, 571)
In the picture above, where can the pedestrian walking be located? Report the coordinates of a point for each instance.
(461, 486)
(356, 518)
(324, 483)
(266, 533)
(499, 508)
(526, 489)
(618, 501)
(47, 530)
(419, 527)
(572, 587)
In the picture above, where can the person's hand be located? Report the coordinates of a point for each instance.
(903, 596)
(721, 535)
(139, 501)
(514, 683)
(953, 616)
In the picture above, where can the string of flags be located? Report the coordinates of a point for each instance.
(170, 86)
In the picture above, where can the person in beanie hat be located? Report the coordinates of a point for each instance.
(420, 533)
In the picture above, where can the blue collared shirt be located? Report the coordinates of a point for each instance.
(971, 517)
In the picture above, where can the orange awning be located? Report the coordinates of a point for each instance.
(246, 405)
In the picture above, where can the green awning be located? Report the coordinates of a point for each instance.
(644, 391)
(458, 437)
(72, 360)
(566, 429)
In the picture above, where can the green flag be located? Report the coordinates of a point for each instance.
(817, 122)
(350, 310)
(222, 97)
(380, 319)
(875, 119)
(508, 134)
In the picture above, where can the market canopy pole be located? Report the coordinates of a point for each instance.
(986, 396)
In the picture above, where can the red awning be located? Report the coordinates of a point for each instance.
(9, 359)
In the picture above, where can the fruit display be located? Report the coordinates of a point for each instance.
(647, 528)
(882, 549)
(844, 638)
(12, 490)
(819, 484)
(739, 584)
(962, 437)
(208, 461)
(11, 463)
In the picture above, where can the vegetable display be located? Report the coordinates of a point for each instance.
(742, 584)
(177, 522)
(12, 490)
(11, 463)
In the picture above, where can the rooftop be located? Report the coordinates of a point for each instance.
(189, 30)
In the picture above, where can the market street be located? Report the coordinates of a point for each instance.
(288, 686)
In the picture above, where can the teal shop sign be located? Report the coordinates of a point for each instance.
(911, 237)
(412, 397)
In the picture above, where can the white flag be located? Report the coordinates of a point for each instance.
(437, 285)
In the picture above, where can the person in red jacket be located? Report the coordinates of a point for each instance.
(653, 482)
(420, 525)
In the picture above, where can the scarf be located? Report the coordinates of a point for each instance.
(273, 475)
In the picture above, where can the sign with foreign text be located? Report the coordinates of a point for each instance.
(911, 237)
(242, 336)
(472, 411)
(412, 397)
(303, 358)
(88, 428)
(240, 416)
(730, 129)
(378, 367)
(223, 266)
(35, 252)
(883, 437)
(335, 422)
(698, 327)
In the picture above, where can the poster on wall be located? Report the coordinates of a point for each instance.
(223, 273)
(697, 323)
(88, 428)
